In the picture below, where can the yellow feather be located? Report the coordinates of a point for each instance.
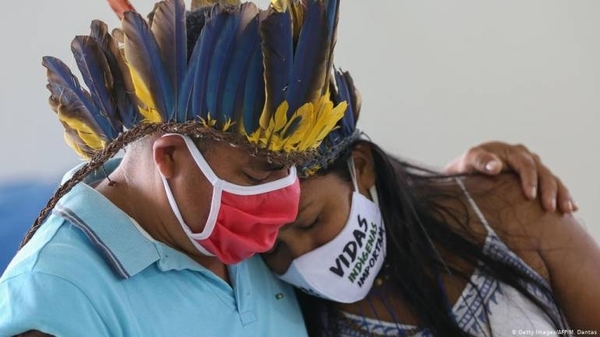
(280, 119)
(254, 137)
(84, 131)
(310, 171)
(336, 115)
(315, 124)
(74, 145)
(265, 116)
(205, 3)
(275, 142)
(309, 138)
(208, 122)
(325, 119)
(329, 124)
(148, 110)
(228, 124)
(292, 121)
(279, 5)
(298, 14)
(306, 114)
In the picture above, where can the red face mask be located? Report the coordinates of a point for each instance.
(243, 220)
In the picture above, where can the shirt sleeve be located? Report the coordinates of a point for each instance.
(50, 304)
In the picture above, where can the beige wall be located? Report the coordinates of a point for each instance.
(436, 77)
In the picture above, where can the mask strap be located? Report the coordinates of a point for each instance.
(198, 158)
(374, 196)
(372, 190)
(175, 208)
(352, 169)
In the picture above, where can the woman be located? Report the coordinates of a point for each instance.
(390, 249)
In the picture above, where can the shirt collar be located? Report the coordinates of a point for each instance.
(127, 249)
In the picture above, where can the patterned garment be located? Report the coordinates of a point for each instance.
(484, 303)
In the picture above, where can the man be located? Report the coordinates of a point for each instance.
(221, 108)
(213, 115)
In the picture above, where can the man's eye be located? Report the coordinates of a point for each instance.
(254, 179)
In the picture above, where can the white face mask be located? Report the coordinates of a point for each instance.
(343, 270)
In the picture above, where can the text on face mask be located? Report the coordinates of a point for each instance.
(350, 254)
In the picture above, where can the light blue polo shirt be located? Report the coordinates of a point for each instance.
(89, 271)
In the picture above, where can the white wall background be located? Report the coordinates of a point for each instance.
(436, 76)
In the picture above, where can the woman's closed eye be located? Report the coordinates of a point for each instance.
(309, 225)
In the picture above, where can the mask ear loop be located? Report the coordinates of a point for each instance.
(372, 189)
(352, 169)
(374, 196)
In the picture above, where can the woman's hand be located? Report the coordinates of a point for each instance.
(492, 158)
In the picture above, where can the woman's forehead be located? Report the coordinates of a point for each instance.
(318, 189)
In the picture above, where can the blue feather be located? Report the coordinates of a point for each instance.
(348, 122)
(65, 88)
(238, 92)
(219, 61)
(195, 83)
(122, 85)
(332, 11)
(232, 96)
(144, 55)
(310, 62)
(254, 95)
(169, 28)
(278, 50)
(96, 75)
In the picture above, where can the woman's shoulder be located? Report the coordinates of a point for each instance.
(505, 206)
(500, 200)
(552, 243)
(522, 224)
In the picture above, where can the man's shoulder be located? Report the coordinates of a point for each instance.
(47, 285)
(59, 249)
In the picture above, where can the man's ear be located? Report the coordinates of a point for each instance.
(365, 168)
(167, 152)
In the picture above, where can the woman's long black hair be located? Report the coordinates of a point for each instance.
(409, 202)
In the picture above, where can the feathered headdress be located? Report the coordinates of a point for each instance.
(344, 134)
(258, 78)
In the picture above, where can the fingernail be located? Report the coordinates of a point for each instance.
(569, 207)
(534, 192)
(554, 204)
(491, 166)
(575, 206)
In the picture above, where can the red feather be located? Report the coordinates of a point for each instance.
(120, 7)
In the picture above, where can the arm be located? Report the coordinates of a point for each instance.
(555, 245)
(492, 158)
(39, 304)
(572, 258)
